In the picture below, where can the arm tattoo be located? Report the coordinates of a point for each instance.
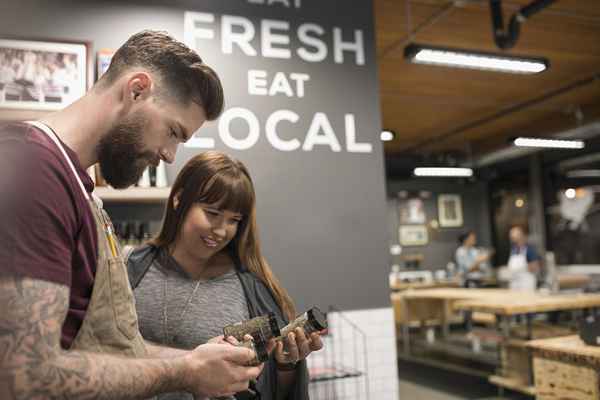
(33, 365)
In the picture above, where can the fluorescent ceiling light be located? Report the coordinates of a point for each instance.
(584, 173)
(443, 171)
(387, 136)
(498, 62)
(549, 143)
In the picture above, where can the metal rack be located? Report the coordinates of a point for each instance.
(339, 370)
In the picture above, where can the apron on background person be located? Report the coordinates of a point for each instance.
(520, 277)
(110, 325)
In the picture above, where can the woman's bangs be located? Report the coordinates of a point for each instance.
(232, 193)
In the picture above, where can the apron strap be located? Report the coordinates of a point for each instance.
(50, 133)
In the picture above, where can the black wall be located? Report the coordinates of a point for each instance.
(442, 241)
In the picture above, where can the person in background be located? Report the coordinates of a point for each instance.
(472, 262)
(524, 262)
(205, 271)
(68, 325)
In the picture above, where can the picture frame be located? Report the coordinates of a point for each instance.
(411, 211)
(413, 235)
(40, 76)
(103, 59)
(450, 212)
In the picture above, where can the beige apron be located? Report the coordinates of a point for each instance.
(110, 324)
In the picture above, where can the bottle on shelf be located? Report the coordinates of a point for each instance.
(144, 181)
(118, 225)
(91, 171)
(143, 233)
(152, 174)
(99, 178)
(161, 175)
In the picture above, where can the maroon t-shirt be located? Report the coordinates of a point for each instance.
(47, 229)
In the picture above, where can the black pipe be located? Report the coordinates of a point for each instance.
(507, 40)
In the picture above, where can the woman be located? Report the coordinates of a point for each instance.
(472, 262)
(205, 271)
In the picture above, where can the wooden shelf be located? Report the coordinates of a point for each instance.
(133, 194)
(512, 384)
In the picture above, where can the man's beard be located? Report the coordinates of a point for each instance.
(121, 153)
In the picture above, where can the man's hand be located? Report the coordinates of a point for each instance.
(226, 340)
(219, 369)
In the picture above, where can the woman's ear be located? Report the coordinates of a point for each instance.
(176, 200)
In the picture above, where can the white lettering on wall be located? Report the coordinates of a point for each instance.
(193, 31)
(299, 79)
(242, 39)
(312, 43)
(253, 128)
(258, 81)
(275, 41)
(320, 52)
(271, 130)
(268, 39)
(281, 85)
(197, 142)
(320, 132)
(284, 2)
(296, 4)
(340, 46)
(351, 145)
(320, 123)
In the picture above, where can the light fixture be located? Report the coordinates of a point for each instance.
(570, 193)
(549, 143)
(443, 172)
(421, 54)
(583, 173)
(387, 135)
(519, 203)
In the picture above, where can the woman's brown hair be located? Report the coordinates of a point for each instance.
(213, 177)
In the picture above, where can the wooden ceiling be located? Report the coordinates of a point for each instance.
(438, 110)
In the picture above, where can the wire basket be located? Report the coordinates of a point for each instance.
(339, 370)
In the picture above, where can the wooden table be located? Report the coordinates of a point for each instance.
(436, 305)
(573, 281)
(526, 305)
(446, 283)
(530, 303)
(441, 304)
(565, 368)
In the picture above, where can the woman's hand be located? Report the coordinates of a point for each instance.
(298, 346)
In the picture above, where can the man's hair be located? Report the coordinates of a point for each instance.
(182, 73)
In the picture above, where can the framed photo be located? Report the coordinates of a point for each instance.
(103, 57)
(411, 211)
(413, 235)
(42, 75)
(450, 214)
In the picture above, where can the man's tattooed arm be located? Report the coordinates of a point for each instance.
(33, 365)
(158, 351)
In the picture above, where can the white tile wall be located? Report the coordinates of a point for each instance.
(346, 346)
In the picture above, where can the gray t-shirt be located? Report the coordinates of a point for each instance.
(176, 311)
